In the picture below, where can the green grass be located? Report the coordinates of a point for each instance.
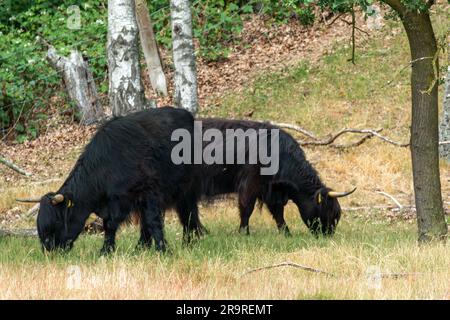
(223, 243)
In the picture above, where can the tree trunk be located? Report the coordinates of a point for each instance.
(79, 84)
(150, 48)
(424, 127)
(445, 120)
(126, 93)
(185, 77)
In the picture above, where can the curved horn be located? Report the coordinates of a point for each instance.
(57, 198)
(28, 199)
(335, 194)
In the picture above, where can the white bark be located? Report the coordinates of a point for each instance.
(79, 84)
(150, 48)
(185, 77)
(126, 93)
(444, 149)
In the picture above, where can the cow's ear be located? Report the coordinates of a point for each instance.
(318, 196)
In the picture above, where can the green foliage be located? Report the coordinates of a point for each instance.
(27, 81)
(217, 22)
(283, 11)
(346, 5)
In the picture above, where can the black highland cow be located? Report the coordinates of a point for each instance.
(125, 167)
(295, 180)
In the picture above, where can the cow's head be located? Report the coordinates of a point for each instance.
(59, 222)
(321, 210)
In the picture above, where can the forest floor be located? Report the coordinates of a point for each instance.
(374, 253)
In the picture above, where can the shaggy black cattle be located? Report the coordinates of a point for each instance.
(125, 167)
(295, 180)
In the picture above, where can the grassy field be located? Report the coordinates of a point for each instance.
(215, 266)
(373, 255)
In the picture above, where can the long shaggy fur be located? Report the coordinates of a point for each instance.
(296, 180)
(125, 167)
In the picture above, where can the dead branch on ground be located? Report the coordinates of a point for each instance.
(14, 167)
(18, 232)
(399, 205)
(368, 133)
(289, 264)
(34, 210)
(292, 127)
(28, 200)
(314, 270)
(315, 141)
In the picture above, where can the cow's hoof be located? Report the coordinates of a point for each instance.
(107, 250)
(161, 246)
(244, 230)
(143, 246)
(287, 234)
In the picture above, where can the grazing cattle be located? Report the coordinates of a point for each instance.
(295, 180)
(125, 167)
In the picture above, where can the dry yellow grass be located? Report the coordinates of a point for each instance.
(214, 267)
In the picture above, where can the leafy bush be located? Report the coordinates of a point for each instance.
(26, 79)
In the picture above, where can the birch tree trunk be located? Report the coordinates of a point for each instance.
(445, 121)
(150, 48)
(185, 77)
(79, 84)
(126, 93)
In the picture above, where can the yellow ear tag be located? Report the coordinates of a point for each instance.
(319, 198)
(69, 204)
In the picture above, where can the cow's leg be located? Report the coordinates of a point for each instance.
(246, 207)
(111, 223)
(277, 211)
(146, 239)
(152, 222)
(109, 244)
(188, 214)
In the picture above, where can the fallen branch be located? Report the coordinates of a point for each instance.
(369, 134)
(368, 208)
(293, 127)
(314, 270)
(399, 205)
(354, 144)
(34, 210)
(18, 232)
(289, 264)
(398, 275)
(28, 200)
(14, 167)
(390, 208)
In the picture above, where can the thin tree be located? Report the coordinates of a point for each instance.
(185, 77)
(150, 48)
(126, 93)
